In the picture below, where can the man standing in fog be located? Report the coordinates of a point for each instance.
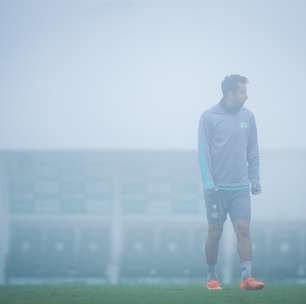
(229, 164)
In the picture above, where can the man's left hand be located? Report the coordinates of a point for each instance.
(255, 189)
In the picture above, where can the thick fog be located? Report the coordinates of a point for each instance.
(138, 74)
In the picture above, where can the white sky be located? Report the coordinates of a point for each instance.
(138, 74)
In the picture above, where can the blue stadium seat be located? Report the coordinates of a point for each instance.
(285, 251)
(24, 258)
(59, 254)
(174, 249)
(138, 256)
(93, 255)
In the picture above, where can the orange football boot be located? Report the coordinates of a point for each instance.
(214, 285)
(251, 284)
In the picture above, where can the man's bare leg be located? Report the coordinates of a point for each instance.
(242, 230)
(211, 248)
(244, 244)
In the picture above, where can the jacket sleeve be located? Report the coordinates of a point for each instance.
(253, 153)
(204, 157)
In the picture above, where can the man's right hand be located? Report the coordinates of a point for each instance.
(211, 190)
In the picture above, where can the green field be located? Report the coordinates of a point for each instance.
(128, 294)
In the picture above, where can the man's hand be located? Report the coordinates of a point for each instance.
(255, 189)
(211, 190)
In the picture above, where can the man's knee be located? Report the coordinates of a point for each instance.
(242, 229)
(215, 231)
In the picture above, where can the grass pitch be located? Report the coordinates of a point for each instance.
(134, 294)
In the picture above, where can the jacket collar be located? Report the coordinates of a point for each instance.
(229, 109)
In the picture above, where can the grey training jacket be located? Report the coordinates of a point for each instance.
(228, 148)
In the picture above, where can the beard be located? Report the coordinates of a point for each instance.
(233, 108)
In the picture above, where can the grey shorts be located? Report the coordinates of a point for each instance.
(235, 202)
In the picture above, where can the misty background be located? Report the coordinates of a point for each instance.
(100, 104)
(138, 74)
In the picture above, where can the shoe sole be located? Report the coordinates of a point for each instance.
(214, 289)
(252, 289)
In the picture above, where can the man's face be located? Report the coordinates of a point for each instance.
(239, 96)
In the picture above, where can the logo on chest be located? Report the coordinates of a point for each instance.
(243, 125)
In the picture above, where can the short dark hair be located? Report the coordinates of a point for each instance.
(230, 83)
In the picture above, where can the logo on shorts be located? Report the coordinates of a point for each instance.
(243, 125)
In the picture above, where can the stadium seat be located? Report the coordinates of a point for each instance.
(174, 248)
(138, 256)
(285, 251)
(59, 254)
(93, 253)
(24, 258)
